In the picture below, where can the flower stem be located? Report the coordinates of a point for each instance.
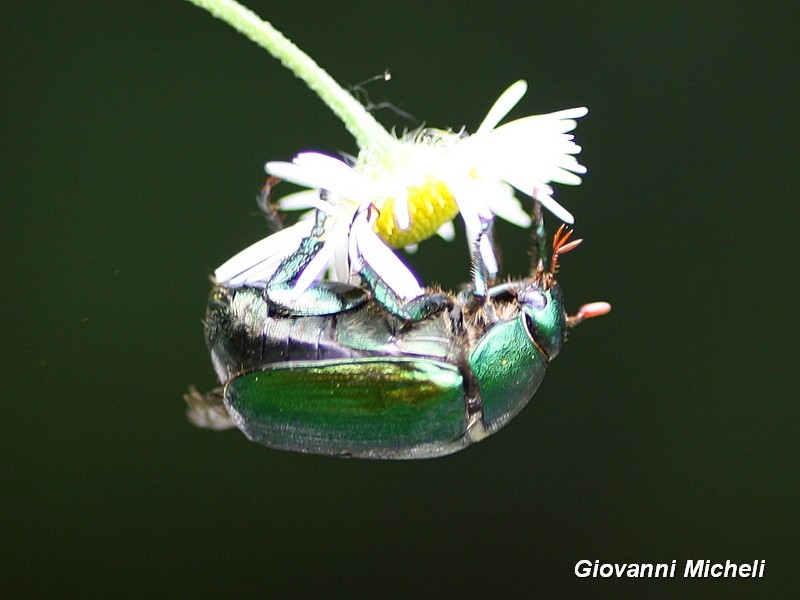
(368, 133)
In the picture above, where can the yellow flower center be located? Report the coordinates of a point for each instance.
(430, 206)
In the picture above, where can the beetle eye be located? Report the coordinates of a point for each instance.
(532, 298)
(530, 326)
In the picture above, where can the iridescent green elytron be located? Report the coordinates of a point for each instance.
(365, 376)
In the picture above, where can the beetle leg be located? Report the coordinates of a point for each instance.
(207, 411)
(539, 237)
(479, 270)
(415, 309)
(397, 290)
(320, 298)
(270, 209)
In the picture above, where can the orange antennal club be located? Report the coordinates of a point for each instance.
(562, 245)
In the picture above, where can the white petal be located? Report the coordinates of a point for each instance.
(331, 166)
(288, 172)
(504, 204)
(554, 207)
(401, 216)
(447, 231)
(472, 225)
(312, 200)
(514, 214)
(382, 259)
(532, 151)
(560, 121)
(487, 254)
(341, 255)
(471, 201)
(503, 106)
(320, 171)
(550, 131)
(312, 271)
(247, 267)
(259, 275)
(299, 200)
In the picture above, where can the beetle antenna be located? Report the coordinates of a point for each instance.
(562, 245)
(589, 311)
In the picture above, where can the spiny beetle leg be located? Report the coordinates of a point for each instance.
(269, 208)
(478, 267)
(415, 309)
(320, 298)
(539, 249)
(422, 307)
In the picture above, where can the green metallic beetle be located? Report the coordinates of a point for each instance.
(352, 373)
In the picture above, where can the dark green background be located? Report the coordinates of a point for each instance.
(134, 135)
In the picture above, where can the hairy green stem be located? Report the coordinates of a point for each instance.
(368, 133)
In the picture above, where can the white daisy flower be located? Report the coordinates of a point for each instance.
(426, 178)
(418, 183)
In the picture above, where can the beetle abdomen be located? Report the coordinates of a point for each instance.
(243, 332)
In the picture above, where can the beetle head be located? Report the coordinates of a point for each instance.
(542, 304)
(528, 326)
(545, 318)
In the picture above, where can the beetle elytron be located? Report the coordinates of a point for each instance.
(351, 372)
